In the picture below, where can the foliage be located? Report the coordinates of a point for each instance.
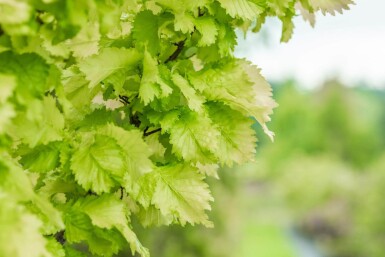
(327, 165)
(114, 110)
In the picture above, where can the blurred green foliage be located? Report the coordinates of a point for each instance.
(323, 175)
(328, 165)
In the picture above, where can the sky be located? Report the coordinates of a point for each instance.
(350, 47)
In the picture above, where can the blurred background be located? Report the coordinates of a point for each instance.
(319, 189)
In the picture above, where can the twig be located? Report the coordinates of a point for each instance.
(59, 236)
(178, 50)
(146, 134)
(121, 193)
(124, 99)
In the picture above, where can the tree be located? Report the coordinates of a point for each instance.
(119, 109)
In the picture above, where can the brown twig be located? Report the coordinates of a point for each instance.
(176, 53)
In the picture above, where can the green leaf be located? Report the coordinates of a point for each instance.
(243, 9)
(146, 32)
(99, 164)
(193, 136)
(237, 141)
(102, 242)
(279, 6)
(20, 231)
(7, 86)
(135, 150)
(157, 148)
(184, 22)
(14, 12)
(194, 101)
(152, 216)
(42, 158)
(107, 211)
(240, 86)
(108, 62)
(76, 90)
(331, 6)
(152, 84)
(86, 41)
(41, 123)
(30, 70)
(16, 183)
(208, 30)
(55, 248)
(287, 28)
(181, 192)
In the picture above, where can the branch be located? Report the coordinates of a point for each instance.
(121, 193)
(134, 120)
(146, 134)
(124, 99)
(200, 12)
(178, 50)
(59, 236)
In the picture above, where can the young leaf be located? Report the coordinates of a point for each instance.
(237, 141)
(193, 136)
(181, 192)
(99, 163)
(108, 62)
(242, 9)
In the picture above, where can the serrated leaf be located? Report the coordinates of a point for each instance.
(42, 158)
(16, 183)
(20, 231)
(145, 31)
(279, 7)
(287, 29)
(41, 123)
(306, 11)
(243, 9)
(30, 70)
(99, 163)
(192, 135)
(86, 41)
(76, 89)
(331, 6)
(181, 192)
(194, 101)
(157, 148)
(152, 216)
(237, 142)
(152, 84)
(240, 86)
(184, 22)
(208, 30)
(108, 62)
(136, 152)
(102, 242)
(106, 211)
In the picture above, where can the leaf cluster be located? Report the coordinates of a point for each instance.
(116, 109)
